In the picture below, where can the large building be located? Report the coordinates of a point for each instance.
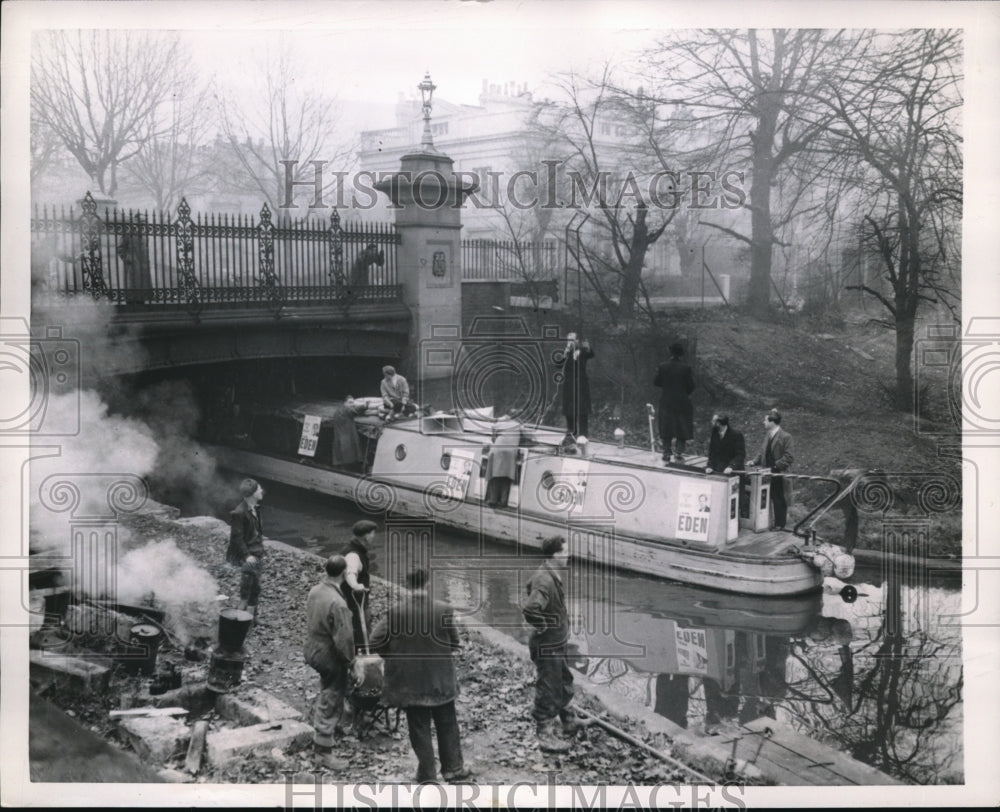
(506, 133)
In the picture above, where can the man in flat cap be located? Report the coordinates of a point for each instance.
(396, 392)
(776, 454)
(329, 649)
(357, 576)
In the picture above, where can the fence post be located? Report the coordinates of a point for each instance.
(265, 261)
(188, 283)
(335, 246)
(90, 260)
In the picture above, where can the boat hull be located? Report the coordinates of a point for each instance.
(594, 543)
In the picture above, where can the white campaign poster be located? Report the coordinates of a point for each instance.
(575, 473)
(694, 509)
(692, 650)
(310, 435)
(463, 463)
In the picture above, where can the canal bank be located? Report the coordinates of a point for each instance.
(496, 680)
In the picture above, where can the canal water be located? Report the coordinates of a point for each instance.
(878, 677)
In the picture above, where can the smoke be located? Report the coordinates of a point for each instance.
(185, 475)
(161, 575)
(128, 442)
(77, 480)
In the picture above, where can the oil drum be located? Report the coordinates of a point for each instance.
(234, 625)
(139, 656)
(225, 671)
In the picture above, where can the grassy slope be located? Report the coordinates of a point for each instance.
(833, 400)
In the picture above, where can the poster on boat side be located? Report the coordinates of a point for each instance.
(575, 473)
(463, 462)
(694, 509)
(309, 441)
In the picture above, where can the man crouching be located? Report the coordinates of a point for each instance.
(329, 648)
(545, 610)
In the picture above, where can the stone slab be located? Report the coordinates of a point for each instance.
(253, 706)
(172, 776)
(156, 739)
(224, 746)
(194, 696)
(74, 673)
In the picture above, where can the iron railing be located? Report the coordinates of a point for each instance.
(150, 260)
(509, 261)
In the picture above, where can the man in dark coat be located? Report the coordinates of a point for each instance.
(576, 385)
(357, 578)
(417, 639)
(246, 543)
(776, 454)
(726, 447)
(329, 649)
(676, 380)
(545, 611)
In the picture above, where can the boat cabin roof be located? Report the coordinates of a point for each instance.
(540, 439)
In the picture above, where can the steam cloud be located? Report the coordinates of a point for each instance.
(160, 574)
(124, 435)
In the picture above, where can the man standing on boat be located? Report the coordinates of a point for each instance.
(776, 454)
(329, 649)
(576, 385)
(357, 578)
(545, 610)
(417, 639)
(726, 448)
(676, 380)
(246, 544)
(396, 392)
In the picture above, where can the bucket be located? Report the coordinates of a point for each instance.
(139, 656)
(226, 671)
(234, 625)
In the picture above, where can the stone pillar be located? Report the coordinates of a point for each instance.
(428, 196)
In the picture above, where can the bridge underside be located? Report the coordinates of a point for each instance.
(151, 341)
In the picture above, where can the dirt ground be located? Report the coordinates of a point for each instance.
(498, 736)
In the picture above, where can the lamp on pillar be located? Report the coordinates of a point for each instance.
(427, 88)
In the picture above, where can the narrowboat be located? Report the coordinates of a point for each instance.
(493, 477)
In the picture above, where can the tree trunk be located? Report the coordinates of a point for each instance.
(632, 272)
(762, 237)
(904, 354)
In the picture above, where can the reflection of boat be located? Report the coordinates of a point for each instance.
(617, 506)
(679, 629)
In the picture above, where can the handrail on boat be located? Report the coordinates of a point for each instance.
(841, 490)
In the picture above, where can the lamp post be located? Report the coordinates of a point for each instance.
(427, 88)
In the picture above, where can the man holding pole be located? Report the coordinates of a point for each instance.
(357, 577)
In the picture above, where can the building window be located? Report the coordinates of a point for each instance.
(606, 129)
(440, 128)
(486, 183)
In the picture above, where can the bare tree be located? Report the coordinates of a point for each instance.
(743, 89)
(602, 133)
(99, 92)
(897, 109)
(279, 136)
(175, 163)
(45, 146)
